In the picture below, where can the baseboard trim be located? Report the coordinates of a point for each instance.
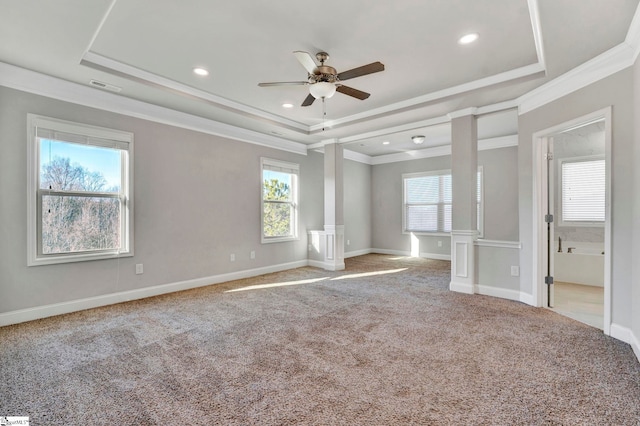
(635, 345)
(621, 333)
(357, 253)
(391, 252)
(527, 298)
(461, 287)
(30, 314)
(502, 293)
(626, 335)
(435, 256)
(315, 263)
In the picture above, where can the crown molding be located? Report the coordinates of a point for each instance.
(462, 113)
(347, 154)
(439, 151)
(52, 87)
(436, 151)
(358, 157)
(633, 35)
(534, 13)
(608, 63)
(499, 142)
(443, 119)
(111, 66)
(96, 60)
(398, 107)
(500, 106)
(395, 129)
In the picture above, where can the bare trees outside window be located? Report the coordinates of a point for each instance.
(81, 206)
(279, 201)
(72, 219)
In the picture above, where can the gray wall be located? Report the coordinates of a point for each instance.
(615, 90)
(500, 170)
(493, 269)
(197, 200)
(635, 293)
(357, 207)
(386, 185)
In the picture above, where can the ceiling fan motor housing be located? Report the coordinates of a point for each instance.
(324, 81)
(325, 73)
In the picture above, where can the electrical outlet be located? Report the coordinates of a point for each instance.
(439, 243)
(253, 254)
(515, 271)
(232, 257)
(348, 242)
(139, 268)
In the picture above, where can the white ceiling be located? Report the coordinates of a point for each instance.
(149, 48)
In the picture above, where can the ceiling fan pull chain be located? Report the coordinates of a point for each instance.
(324, 113)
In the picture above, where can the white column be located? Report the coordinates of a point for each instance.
(464, 174)
(333, 206)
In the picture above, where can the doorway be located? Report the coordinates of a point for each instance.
(572, 205)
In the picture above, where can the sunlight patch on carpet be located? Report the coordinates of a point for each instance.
(369, 274)
(282, 284)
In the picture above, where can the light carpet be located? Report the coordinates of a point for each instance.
(381, 343)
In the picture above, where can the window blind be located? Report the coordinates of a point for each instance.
(583, 191)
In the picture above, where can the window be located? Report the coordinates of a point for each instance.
(80, 198)
(279, 201)
(582, 191)
(427, 201)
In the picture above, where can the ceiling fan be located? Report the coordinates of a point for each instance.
(324, 81)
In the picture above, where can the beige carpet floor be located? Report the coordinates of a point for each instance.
(381, 343)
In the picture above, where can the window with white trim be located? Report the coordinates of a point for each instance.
(582, 191)
(80, 202)
(427, 201)
(279, 200)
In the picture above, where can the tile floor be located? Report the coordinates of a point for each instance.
(583, 303)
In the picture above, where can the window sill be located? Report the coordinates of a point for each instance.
(54, 260)
(427, 234)
(278, 239)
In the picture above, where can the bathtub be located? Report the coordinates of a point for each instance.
(585, 265)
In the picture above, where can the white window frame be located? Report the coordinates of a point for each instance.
(294, 170)
(90, 135)
(560, 162)
(480, 211)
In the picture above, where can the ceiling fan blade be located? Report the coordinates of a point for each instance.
(358, 94)
(363, 70)
(306, 60)
(284, 83)
(308, 100)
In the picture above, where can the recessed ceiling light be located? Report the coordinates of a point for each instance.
(469, 38)
(200, 71)
(287, 105)
(386, 143)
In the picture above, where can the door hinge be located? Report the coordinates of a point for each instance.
(548, 280)
(548, 156)
(548, 218)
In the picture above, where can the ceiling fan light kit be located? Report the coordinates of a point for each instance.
(322, 89)
(324, 81)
